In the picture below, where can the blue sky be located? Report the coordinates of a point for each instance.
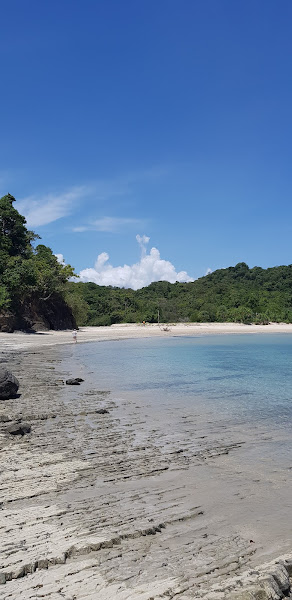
(162, 118)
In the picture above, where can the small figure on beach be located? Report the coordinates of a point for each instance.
(74, 334)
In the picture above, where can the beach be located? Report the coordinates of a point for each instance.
(21, 340)
(107, 498)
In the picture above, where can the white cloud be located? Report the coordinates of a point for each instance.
(142, 241)
(208, 271)
(109, 224)
(50, 207)
(150, 268)
(60, 259)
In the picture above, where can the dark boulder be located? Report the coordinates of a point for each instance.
(101, 411)
(8, 322)
(72, 382)
(19, 429)
(79, 379)
(8, 384)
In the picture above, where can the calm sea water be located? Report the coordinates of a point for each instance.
(241, 377)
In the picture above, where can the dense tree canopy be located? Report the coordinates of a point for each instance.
(235, 294)
(15, 239)
(26, 272)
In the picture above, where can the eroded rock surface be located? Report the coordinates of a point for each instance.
(128, 505)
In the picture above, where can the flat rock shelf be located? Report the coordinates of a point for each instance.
(101, 501)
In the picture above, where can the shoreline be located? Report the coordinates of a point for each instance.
(20, 340)
(95, 509)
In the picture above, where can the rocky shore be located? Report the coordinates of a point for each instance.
(103, 499)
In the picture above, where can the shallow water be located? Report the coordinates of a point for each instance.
(215, 412)
(196, 436)
(242, 378)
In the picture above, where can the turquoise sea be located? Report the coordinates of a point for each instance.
(242, 378)
(216, 410)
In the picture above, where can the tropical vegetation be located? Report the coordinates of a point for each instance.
(30, 274)
(236, 294)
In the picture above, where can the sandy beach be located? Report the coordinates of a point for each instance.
(21, 340)
(108, 499)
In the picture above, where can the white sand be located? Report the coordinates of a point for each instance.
(125, 331)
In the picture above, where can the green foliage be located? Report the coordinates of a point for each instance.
(26, 273)
(15, 239)
(4, 298)
(51, 276)
(236, 294)
(19, 276)
(77, 303)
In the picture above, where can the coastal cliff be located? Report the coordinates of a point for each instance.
(39, 315)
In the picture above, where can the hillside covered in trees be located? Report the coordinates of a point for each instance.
(237, 294)
(32, 282)
(37, 292)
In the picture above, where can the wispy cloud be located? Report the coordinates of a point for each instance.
(123, 186)
(149, 268)
(41, 210)
(46, 208)
(110, 224)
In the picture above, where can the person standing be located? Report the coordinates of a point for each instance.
(74, 334)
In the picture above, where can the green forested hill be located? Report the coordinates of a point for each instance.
(35, 291)
(234, 294)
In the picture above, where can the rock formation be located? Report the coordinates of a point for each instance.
(39, 315)
(19, 429)
(8, 384)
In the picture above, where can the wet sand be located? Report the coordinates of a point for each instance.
(133, 503)
(20, 340)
